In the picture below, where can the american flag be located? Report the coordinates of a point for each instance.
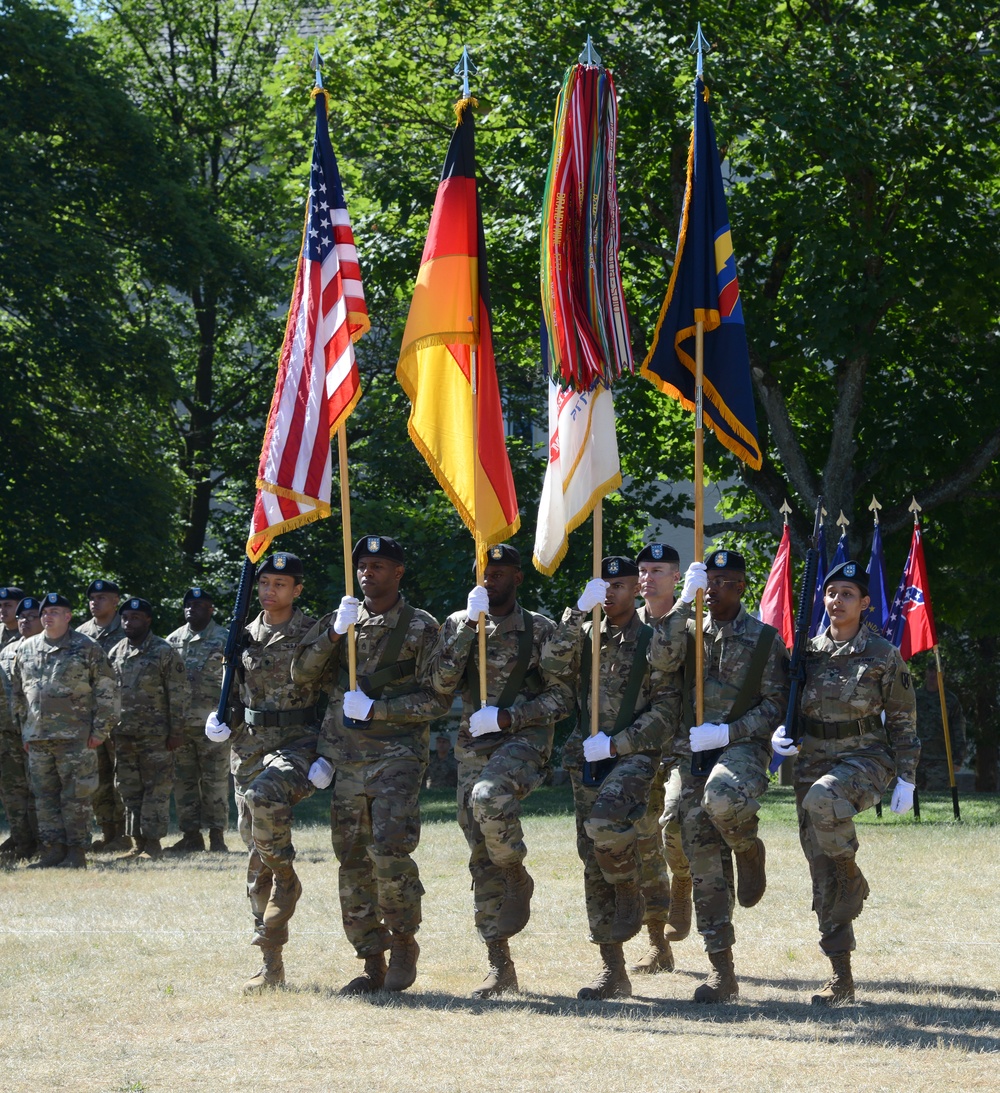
(317, 385)
(910, 626)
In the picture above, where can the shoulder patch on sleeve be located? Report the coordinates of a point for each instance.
(905, 677)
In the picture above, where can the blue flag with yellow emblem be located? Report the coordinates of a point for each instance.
(703, 287)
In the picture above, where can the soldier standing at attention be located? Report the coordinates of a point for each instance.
(10, 597)
(847, 759)
(273, 746)
(442, 770)
(105, 627)
(723, 761)
(64, 705)
(15, 780)
(611, 772)
(152, 689)
(201, 770)
(376, 740)
(667, 896)
(503, 747)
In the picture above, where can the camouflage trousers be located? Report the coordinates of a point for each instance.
(201, 783)
(826, 809)
(15, 789)
(375, 826)
(144, 776)
(659, 848)
(718, 816)
(264, 815)
(63, 779)
(606, 838)
(491, 787)
(106, 802)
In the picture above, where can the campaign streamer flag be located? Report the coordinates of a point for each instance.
(583, 467)
(840, 555)
(776, 603)
(875, 614)
(317, 385)
(704, 288)
(449, 318)
(910, 626)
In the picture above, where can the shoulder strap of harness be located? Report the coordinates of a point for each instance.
(512, 688)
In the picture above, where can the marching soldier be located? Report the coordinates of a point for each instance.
(611, 772)
(503, 747)
(847, 759)
(374, 744)
(201, 770)
(15, 779)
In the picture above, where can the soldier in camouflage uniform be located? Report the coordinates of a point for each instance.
(637, 709)
(64, 705)
(723, 760)
(273, 741)
(376, 739)
(152, 690)
(201, 770)
(933, 770)
(847, 759)
(442, 770)
(503, 747)
(15, 780)
(105, 627)
(10, 597)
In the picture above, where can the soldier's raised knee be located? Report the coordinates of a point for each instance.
(825, 805)
(489, 799)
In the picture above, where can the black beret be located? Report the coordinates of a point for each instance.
(11, 592)
(658, 552)
(136, 603)
(377, 546)
(618, 566)
(103, 586)
(55, 599)
(197, 594)
(29, 603)
(282, 564)
(726, 559)
(848, 571)
(503, 554)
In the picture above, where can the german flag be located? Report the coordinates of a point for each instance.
(446, 365)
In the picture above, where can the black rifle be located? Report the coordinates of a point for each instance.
(797, 664)
(236, 641)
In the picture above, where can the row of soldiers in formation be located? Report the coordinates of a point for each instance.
(654, 788)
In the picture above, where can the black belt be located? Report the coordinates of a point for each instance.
(272, 719)
(840, 730)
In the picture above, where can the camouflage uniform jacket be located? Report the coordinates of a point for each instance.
(265, 682)
(929, 727)
(542, 699)
(152, 685)
(63, 689)
(107, 637)
(656, 706)
(676, 681)
(398, 727)
(846, 681)
(729, 648)
(202, 653)
(8, 637)
(7, 654)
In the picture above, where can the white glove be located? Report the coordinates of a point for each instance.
(781, 744)
(478, 603)
(347, 615)
(484, 721)
(902, 797)
(215, 729)
(357, 705)
(708, 737)
(321, 773)
(593, 595)
(596, 748)
(695, 580)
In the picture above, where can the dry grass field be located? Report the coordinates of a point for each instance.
(127, 978)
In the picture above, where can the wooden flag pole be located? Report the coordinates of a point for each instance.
(947, 736)
(345, 513)
(481, 625)
(595, 635)
(699, 520)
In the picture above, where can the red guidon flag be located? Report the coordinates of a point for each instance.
(776, 603)
(446, 364)
(317, 385)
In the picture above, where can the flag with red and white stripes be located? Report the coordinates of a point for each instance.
(318, 384)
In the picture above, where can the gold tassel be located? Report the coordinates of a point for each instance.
(462, 105)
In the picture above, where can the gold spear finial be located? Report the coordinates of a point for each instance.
(915, 509)
(842, 521)
(874, 507)
(785, 509)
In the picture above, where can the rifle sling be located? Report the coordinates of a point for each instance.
(512, 688)
(637, 673)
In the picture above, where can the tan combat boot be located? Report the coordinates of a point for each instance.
(840, 986)
(612, 980)
(679, 916)
(629, 910)
(371, 979)
(217, 841)
(76, 858)
(286, 888)
(658, 957)
(515, 910)
(502, 976)
(852, 891)
(271, 974)
(190, 843)
(152, 850)
(721, 985)
(402, 962)
(751, 879)
(51, 856)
